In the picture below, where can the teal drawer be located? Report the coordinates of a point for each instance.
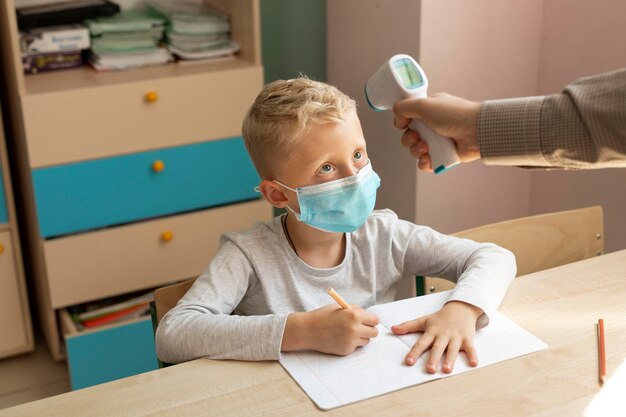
(88, 195)
(118, 351)
(4, 216)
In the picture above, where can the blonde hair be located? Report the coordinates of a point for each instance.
(284, 112)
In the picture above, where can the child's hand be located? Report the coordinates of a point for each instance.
(330, 329)
(450, 329)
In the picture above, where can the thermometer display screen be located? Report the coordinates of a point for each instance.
(409, 74)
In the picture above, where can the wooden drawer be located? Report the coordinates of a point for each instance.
(108, 353)
(4, 216)
(95, 122)
(115, 261)
(14, 319)
(89, 195)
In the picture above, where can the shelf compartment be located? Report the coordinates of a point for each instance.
(84, 124)
(13, 321)
(107, 353)
(107, 192)
(129, 258)
(244, 18)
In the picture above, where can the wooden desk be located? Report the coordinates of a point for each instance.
(560, 306)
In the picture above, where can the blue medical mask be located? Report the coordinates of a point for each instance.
(341, 205)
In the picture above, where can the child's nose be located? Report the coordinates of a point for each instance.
(349, 171)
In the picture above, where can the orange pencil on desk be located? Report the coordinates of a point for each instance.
(601, 351)
(337, 298)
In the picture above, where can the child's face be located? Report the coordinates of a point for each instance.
(330, 151)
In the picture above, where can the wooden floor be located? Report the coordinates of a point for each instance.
(32, 376)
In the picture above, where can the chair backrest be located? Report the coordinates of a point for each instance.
(165, 298)
(540, 242)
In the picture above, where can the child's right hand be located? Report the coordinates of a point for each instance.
(329, 329)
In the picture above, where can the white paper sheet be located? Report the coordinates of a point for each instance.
(378, 368)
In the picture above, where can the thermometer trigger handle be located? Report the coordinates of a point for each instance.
(442, 150)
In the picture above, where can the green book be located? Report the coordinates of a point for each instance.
(103, 46)
(185, 17)
(126, 21)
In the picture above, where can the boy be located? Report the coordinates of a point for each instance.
(263, 293)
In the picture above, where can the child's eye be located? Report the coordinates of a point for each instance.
(326, 169)
(357, 156)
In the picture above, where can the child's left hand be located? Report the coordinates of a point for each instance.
(449, 330)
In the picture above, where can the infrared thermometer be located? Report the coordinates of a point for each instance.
(399, 78)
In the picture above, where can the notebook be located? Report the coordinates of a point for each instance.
(378, 368)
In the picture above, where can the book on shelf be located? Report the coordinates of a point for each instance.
(226, 50)
(191, 17)
(111, 310)
(121, 315)
(155, 34)
(126, 21)
(127, 40)
(136, 45)
(27, 3)
(56, 13)
(201, 61)
(197, 43)
(92, 312)
(119, 62)
(51, 61)
(195, 31)
(72, 37)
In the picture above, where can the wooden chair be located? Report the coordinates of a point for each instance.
(165, 298)
(538, 242)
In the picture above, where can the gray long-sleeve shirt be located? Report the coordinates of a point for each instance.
(582, 127)
(238, 307)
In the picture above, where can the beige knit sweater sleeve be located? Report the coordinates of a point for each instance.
(583, 127)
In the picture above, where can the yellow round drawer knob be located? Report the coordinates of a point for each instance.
(151, 97)
(158, 166)
(167, 236)
(1, 248)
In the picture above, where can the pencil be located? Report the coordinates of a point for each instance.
(601, 352)
(337, 298)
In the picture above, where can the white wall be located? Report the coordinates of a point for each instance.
(582, 38)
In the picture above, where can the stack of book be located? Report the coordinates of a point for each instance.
(129, 39)
(51, 35)
(114, 310)
(40, 13)
(195, 31)
(53, 48)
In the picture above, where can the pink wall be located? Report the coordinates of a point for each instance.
(582, 38)
(362, 34)
(481, 49)
(478, 49)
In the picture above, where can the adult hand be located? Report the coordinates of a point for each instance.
(450, 116)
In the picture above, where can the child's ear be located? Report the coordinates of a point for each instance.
(273, 193)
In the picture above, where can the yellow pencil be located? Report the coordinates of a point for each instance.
(337, 298)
